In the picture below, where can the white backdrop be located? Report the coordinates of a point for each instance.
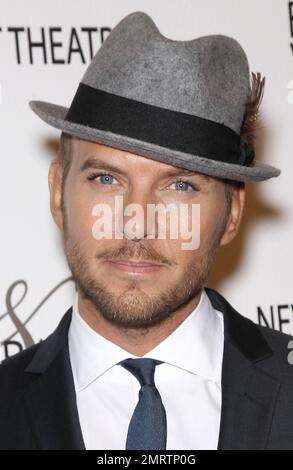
(254, 272)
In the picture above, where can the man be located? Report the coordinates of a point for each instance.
(147, 358)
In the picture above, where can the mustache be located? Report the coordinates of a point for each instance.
(138, 252)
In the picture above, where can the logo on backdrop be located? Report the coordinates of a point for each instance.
(290, 5)
(53, 44)
(279, 317)
(290, 83)
(21, 329)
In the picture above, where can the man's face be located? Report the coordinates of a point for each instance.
(125, 297)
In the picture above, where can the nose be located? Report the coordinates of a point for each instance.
(136, 223)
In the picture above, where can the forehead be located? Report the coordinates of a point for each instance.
(94, 155)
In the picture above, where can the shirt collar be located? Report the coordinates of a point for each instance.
(196, 346)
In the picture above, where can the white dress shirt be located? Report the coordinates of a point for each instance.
(189, 382)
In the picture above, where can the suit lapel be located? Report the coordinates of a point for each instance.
(50, 401)
(249, 394)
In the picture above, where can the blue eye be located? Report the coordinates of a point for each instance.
(183, 185)
(105, 178)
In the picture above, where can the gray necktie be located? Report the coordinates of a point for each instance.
(148, 425)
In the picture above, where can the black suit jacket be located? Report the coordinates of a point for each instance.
(38, 403)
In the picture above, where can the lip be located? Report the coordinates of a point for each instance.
(135, 266)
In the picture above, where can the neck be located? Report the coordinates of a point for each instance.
(136, 341)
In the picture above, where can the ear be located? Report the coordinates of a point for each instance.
(235, 217)
(55, 186)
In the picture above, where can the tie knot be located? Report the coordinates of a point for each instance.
(142, 368)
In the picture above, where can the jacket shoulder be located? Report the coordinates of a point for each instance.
(278, 341)
(12, 369)
(254, 341)
(18, 361)
(15, 371)
(14, 380)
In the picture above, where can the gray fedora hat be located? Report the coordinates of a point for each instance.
(178, 102)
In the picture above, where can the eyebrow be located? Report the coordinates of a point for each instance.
(96, 164)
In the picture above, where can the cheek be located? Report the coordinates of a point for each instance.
(211, 221)
(78, 207)
(182, 253)
(90, 217)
